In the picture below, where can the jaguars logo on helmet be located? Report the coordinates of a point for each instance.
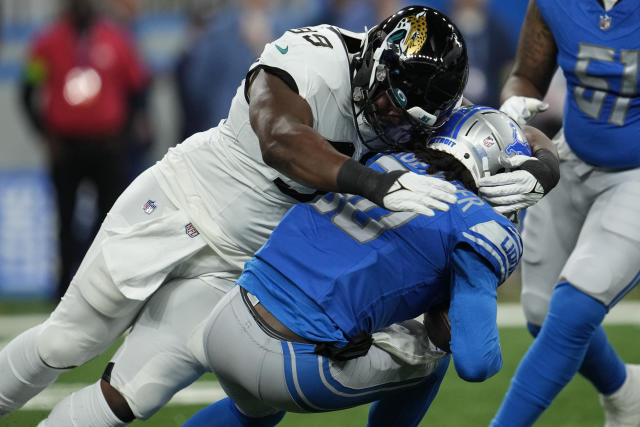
(412, 32)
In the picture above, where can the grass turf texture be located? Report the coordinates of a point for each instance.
(458, 404)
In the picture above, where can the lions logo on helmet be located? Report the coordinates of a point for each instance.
(481, 138)
(519, 144)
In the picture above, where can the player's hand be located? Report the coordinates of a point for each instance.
(510, 192)
(523, 109)
(419, 193)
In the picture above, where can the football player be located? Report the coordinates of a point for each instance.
(582, 242)
(302, 327)
(315, 101)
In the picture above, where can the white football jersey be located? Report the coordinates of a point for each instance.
(218, 176)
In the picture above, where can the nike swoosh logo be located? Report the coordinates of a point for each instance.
(282, 50)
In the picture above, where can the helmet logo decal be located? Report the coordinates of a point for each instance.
(401, 97)
(414, 29)
(518, 146)
(488, 141)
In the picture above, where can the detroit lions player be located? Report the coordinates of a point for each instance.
(335, 272)
(582, 242)
(314, 97)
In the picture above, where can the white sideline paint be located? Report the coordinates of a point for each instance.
(205, 392)
(200, 393)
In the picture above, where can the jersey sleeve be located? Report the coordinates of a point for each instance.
(498, 242)
(472, 311)
(310, 60)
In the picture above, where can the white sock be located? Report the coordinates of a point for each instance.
(24, 374)
(85, 407)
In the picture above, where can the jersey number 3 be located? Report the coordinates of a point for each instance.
(592, 107)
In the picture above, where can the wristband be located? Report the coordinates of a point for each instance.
(546, 169)
(354, 178)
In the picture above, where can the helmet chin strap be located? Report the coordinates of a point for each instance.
(367, 134)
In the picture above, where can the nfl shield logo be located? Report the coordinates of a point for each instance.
(488, 141)
(149, 207)
(191, 230)
(605, 22)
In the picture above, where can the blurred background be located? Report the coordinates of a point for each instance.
(177, 65)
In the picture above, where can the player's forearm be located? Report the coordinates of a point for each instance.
(472, 312)
(300, 153)
(519, 86)
(538, 140)
(304, 156)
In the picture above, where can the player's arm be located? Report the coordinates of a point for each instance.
(527, 84)
(283, 122)
(533, 69)
(472, 312)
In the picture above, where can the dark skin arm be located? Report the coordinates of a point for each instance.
(535, 61)
(283, 122)
(538, 140)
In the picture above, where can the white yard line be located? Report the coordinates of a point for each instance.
(200, 393)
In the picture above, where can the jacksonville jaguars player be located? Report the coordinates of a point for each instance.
(301, 326)
(582, 242)
(315, 100)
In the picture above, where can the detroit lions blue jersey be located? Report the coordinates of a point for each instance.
(599, 54)
(366, 267)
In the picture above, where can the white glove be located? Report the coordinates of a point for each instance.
(509, 192)
(419, 193)
(523, 109)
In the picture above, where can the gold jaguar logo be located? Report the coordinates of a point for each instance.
(416, 33)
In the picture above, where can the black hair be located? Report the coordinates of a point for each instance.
(449, 166)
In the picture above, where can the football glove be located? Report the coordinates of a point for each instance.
(530, 178)
(419, 193)
(523, 109)
(397, 190)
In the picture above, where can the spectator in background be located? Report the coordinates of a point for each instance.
(489, 56)
(137, 132)
(79, 76)
(221, 56)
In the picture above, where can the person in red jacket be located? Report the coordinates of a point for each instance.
(80, 77)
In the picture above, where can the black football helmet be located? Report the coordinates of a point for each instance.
(408, 77)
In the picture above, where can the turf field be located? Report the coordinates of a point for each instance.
(457, 404)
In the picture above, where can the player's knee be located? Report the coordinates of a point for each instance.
(535, 307)
(59, 348)
(116, 402)
(142, 400)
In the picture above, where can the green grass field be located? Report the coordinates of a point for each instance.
(458, 403)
